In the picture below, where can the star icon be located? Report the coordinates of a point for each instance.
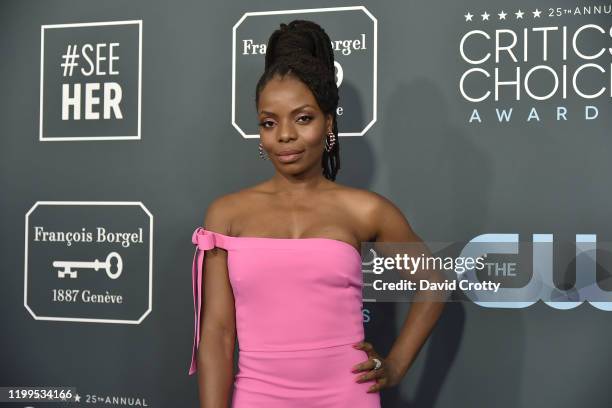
(485, 16)
(77, 398)
(468, 16)
(536, 13)
(502, 15)
(519, 14)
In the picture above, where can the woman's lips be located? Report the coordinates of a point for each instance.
(289, 158)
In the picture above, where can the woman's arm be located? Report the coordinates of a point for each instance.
(218, 328)
(392, 226)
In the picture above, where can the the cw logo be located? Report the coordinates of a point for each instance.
(541, 285)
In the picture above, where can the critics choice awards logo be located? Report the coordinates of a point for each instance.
(536, 65)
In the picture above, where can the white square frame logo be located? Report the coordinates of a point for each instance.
(82, 319)
(42, 73)
(299, 11)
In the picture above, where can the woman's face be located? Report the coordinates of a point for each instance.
(292, 127)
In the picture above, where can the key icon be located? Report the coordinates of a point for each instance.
(68, 266)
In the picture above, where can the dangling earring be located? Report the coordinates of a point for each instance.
(262, 154)
(330, 141)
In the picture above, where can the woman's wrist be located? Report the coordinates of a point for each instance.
(398, 366)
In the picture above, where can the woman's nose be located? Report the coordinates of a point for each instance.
(286, 131)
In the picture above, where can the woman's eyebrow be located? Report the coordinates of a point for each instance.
(295, 110)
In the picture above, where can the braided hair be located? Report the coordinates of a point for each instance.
(303, 49)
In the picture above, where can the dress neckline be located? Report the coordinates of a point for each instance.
(290, 240)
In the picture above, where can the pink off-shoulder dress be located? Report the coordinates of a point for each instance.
(298, 312)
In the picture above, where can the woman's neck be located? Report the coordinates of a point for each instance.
(297, 185)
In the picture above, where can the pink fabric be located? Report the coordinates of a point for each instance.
(298, 310)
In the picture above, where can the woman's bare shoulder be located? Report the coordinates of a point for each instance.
(225, 208)
(361, 200)
(372, 208)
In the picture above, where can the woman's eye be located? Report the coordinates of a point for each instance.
(303, 119)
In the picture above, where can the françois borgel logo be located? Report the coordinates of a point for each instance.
(88, 261)
(352, 31)
(90, 81)
(534, 65)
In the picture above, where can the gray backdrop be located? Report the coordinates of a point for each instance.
(176, 149)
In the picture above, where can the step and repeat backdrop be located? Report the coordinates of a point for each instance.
(122, 121)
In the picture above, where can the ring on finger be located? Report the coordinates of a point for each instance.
(377, 362)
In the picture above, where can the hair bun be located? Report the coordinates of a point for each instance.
(301, 39)
(297, 37)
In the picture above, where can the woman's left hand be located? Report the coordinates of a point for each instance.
(388, 375)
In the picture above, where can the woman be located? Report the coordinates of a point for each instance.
(282, 265)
